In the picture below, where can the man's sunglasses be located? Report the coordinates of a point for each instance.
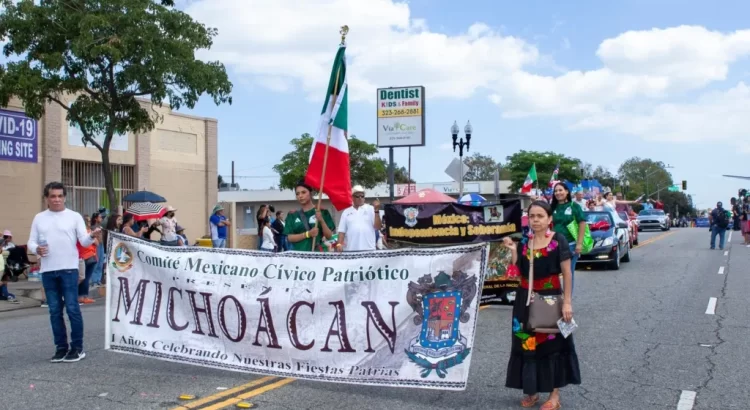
(359, 196)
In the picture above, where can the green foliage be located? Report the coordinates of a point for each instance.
(367, 169)
(480, 167)
(400, 175)
(643, 173)
(106, 54)
(518, 166)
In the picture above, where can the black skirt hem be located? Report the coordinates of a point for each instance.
(542, 376)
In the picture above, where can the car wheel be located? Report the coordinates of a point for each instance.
(626, 258)
(615, 264)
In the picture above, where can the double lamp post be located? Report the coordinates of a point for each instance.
(460, 143)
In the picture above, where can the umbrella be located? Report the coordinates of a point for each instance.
(471, 199)
(143, 196)
(143, 211)
(425, 196)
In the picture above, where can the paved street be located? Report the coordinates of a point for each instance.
(648, 337)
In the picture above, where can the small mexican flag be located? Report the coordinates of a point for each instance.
(530, 179)
(553, 178)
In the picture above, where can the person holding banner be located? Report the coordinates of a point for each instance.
(541, 359)
(308, 222)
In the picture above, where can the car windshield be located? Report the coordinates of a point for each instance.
(653, 212)
(599, 218)
(623, 216)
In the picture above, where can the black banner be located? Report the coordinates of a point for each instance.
(452, 223)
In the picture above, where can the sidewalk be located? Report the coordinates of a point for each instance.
(30, 295)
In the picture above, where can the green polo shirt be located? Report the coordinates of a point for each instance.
(565, 214)
(295, 225)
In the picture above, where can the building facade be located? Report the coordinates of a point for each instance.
(244, 205)
(177, 160)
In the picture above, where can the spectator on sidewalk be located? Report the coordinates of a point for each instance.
(97, 220)
(719, 221)
(88, 255)
(218, 223)
(278, 231)
(54, 234)
(4, 294)
(7, 243)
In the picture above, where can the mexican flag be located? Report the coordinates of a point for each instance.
(553, 178)
(530, 179)
(333, 122)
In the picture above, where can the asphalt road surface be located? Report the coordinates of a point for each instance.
(649, 338)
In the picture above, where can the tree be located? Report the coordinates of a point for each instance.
(646, 176)
(604, 177)
(519, 164)
(400, 174)
(221, 180)
(366, 169)
(106, 54)
(677, 202)
(480, 167)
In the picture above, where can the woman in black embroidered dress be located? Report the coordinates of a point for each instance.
(541, 362)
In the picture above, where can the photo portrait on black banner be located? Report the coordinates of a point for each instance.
(452, 223)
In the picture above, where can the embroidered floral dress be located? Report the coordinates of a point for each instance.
(540, 362)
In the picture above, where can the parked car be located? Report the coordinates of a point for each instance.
(611, 239)
(632, 227)
(653, 219)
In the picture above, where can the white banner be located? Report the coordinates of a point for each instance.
(402, 318)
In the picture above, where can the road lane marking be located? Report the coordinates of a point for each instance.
(687, 400)
(654, 239)
(248, 395)
(726, 253)
(225, 393)
(711, 309)
(721, 270)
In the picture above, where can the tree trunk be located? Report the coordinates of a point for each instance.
(108, 183)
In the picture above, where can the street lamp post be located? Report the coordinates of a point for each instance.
(460, 143)
(652, 173)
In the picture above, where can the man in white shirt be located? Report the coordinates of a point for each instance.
(53, 237)
(580, 200)
(359, 223)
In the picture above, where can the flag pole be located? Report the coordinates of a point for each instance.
(344, 31)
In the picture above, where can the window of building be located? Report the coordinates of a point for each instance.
(84, 182)
(249, 224)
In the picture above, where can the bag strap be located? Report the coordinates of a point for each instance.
(303, 219)
(531, 271)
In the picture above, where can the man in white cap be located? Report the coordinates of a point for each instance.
(359, 224)
(219, 224)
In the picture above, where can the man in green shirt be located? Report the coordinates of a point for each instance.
(307, 223)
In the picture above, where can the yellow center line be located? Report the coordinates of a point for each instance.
(654, 239)
(250, 394)
(225, 393)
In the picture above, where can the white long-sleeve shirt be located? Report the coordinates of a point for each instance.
(62, 230)
(268, 240)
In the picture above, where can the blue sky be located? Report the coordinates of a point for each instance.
(601, 81)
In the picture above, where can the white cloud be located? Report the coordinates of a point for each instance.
(297, 40)
(717, 116)
(286, 44)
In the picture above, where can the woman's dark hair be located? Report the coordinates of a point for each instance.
(93, 218)
(542, 204)
(111, 226)
(607, 193)
(303, 185)
(126, 219)
(553, 206)
(278, 213)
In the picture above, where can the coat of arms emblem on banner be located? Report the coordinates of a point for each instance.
(410, 216)
(441, 306)
(122, 257)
